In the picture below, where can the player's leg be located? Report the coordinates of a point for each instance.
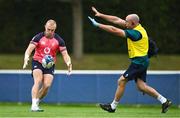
(130, 74)
(142, 86)
(48, 79)
(37, 73)
(119, 93)
(48, 75)
(120, 88)
(38, 77)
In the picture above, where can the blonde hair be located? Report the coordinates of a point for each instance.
(51, 22)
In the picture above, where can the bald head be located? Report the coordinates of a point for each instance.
(133, 17)
(132, 20)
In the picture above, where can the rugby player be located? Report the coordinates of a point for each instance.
(44, 43)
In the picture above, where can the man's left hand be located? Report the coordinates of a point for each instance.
(96, 24)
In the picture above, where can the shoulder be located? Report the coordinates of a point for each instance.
(38, 36)
(134, 35)
(59, 39)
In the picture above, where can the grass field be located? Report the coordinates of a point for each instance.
(97, 62)
(86, 111)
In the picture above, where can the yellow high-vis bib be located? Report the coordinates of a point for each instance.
(138, 48)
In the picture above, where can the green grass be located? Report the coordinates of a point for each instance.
(86, 111)
(97, 62)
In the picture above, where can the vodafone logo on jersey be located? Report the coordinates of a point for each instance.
(47, 50)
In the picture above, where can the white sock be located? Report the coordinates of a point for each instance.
(161, 99)
(114, 104)
(35, 102)
(38, 101)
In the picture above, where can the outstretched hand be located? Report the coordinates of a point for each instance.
(95, 11)
(93, 21)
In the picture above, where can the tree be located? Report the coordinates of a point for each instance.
(77, 27)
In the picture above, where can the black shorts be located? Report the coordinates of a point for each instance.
(136, 71)
(38, 65)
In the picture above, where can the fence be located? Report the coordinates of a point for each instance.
(88, 87)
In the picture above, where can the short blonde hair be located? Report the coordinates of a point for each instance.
(52, 23)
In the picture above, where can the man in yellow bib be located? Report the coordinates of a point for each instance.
(137, 41)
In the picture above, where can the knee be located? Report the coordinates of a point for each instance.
(37, 83)
(121, 81)
(46, 86)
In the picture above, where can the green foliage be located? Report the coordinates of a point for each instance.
(159, 17)
(22, 19)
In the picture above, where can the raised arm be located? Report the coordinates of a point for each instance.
(113, 30)
(109, 28)
(110, 18)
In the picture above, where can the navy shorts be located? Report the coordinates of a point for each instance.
(136, 71)
(38, 65)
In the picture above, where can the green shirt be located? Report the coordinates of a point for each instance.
(141, 60)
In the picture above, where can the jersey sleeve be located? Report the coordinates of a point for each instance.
(134, 35)
(61, 42)
(36, 38)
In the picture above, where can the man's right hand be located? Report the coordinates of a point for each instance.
(96, 12)
(69, 69)
(26, 59)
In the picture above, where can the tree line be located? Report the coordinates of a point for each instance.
(21, 19)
